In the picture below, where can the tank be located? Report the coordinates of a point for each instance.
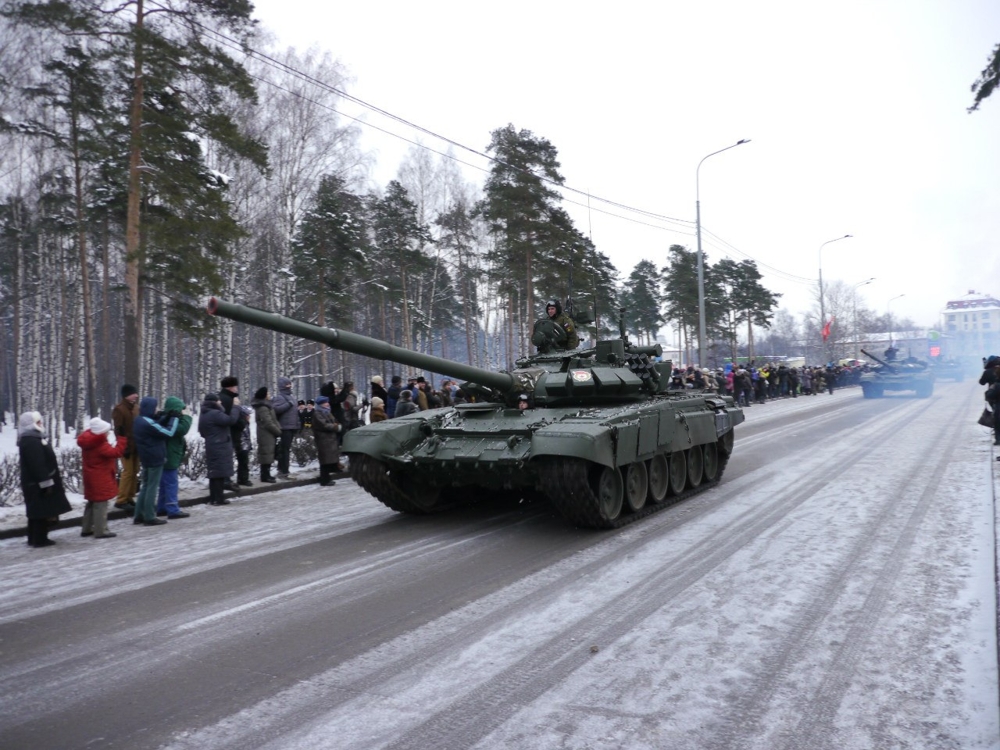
(601, 436)
(909, 374)
(947, 369)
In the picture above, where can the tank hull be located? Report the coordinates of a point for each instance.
(876, 384)
(582, 457)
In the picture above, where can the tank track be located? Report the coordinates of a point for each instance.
(567, 484)
(374, 477)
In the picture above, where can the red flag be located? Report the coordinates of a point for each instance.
(826, 328)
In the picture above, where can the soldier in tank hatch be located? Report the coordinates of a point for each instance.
(555, 313)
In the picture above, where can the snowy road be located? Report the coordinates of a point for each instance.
(837, 590)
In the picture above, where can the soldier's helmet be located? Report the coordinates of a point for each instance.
(554, 303)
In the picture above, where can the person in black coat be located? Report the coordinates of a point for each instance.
(230, 391)
(991, 378)
(216, 427)
(378, 389)
(325, 430)
(44, 496)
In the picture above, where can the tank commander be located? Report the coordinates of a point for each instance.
(555, 313)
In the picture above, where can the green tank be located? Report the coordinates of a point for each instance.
(602, 437)
(910, 374)
(947, 369)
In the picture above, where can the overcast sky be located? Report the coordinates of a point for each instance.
(856, 112)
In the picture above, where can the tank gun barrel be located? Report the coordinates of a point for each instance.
(358, 344)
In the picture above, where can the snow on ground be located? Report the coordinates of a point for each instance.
(688, 644)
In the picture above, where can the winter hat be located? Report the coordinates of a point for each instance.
(322, 400)
(377, 402)
(229, 382)
(284, 383)
(261, 393)
(377, 379)
(397, 379)
(98, 426)
(173, 404)
(406, 395)
(128, 390)
(211, 397)
(328, 389)
(30, 420)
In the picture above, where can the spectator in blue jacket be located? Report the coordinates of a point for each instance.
(151, 432)
(392, 396)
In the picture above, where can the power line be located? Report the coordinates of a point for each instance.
(272, 62)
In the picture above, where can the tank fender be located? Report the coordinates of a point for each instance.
(587, 440)
(727, 416)
(392, 437)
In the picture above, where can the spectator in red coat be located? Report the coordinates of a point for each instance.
(100, 450)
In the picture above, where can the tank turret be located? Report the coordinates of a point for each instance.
(602, 438)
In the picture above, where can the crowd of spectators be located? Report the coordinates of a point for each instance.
(751, 384)
(131, 463)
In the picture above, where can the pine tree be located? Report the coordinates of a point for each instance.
(743, 300)
(458, 236)
(178, 225)
(398, 237)
(518, 207)
(641, 297)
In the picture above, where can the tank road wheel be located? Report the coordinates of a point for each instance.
(710, 461)
(636, 485)
(678, 472)
(695, 465)
(610, 490)
(659, 478)
(725, 443)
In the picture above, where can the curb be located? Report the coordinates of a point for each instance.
(184, 502)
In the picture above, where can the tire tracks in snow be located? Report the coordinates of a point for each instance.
(816, 710)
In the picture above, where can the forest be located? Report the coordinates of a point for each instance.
(154, 154)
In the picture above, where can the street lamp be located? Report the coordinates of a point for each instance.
(701, 258)
(888, 314)
(822, 304)
(854, 295)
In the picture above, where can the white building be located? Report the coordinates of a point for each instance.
(970, 326)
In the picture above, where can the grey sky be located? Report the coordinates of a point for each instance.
(856, 113)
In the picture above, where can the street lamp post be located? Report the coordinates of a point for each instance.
(857, 342)
(888, 314)
(701, 259)
(822, 304)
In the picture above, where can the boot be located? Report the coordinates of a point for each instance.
(38, 533)
(100, 519)
(265, 474)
